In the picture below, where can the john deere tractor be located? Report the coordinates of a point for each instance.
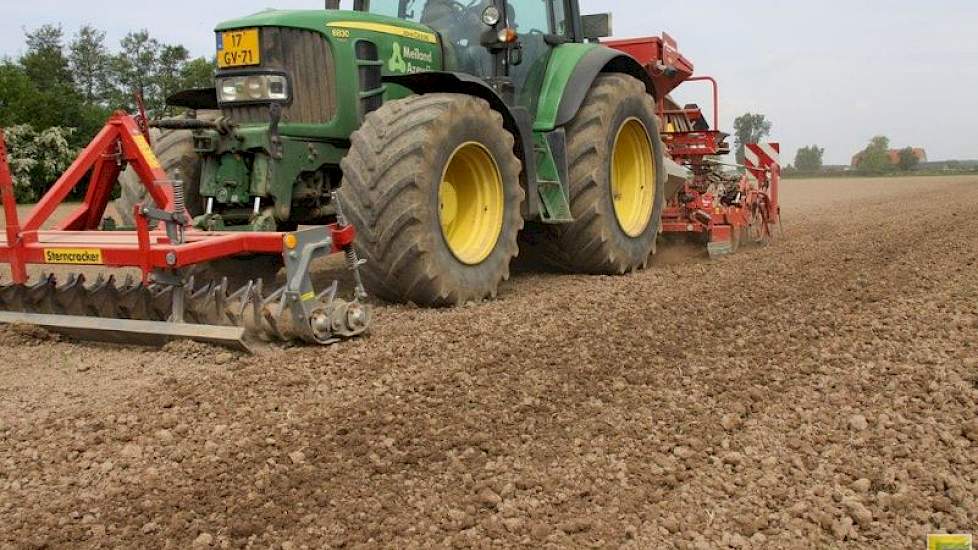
(449, 133)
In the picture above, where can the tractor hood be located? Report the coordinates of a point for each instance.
(325, 20)
(398, 46)
(334, 62)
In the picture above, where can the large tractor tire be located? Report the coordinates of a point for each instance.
(617, 183)
(432, 186)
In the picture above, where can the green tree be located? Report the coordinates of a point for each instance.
(908, 160)
(749, 128)
(875, 158)
(17, 93)
(89, 61)
(198, 73)
(45, 61)
(52, 99)
(133, 70)
(155, 71)
(72, 88)
(809, 159)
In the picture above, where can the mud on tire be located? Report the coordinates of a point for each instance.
(595, 242)
(390, 193)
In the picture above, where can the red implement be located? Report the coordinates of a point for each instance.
(163, 246)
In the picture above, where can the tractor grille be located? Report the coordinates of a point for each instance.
(308, 60)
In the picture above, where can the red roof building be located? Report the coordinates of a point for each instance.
(921, 155)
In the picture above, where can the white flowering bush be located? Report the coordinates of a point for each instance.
(37, 159)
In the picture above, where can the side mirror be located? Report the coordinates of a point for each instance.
(596, 26)
(516, 56)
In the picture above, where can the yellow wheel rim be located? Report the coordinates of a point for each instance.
(633, 178)
(470, 203)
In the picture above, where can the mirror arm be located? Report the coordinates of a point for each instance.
(556, 39)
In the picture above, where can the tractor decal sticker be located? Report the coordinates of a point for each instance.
(397, 63)
(73, 256)
(394, 30)
(403, 59)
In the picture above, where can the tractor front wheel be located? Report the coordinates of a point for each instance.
(432, 185)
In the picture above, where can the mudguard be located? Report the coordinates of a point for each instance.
(516, 120)
(572, 70)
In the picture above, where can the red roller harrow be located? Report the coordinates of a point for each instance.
(169, 300)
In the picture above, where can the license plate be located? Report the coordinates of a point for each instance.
(238, 48)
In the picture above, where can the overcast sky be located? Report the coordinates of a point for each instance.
(832, 72)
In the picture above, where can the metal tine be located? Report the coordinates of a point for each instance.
(256, 303)
(200, 304)
(160, 301)
(218, 302)
(241, 297)
(103, 297)
(254, 316)
(71, 297)
(270, 314)
(331, 292)
(274, 297)
(134, 300)
(246, 289)
(243, 306)
(39, 297)
(130, 281)
(12, 297)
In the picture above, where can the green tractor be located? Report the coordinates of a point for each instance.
(449, 133)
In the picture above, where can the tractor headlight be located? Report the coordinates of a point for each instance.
(254, 87)
(491, 16)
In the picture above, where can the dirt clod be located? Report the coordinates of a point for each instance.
(861, 485)
(204, 540)
(858, 422)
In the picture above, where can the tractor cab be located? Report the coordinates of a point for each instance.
(493, 39)
(441, 129)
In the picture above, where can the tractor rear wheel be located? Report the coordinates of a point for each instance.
(616, 186)
(432, 185)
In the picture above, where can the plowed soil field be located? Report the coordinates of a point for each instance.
(820, 392)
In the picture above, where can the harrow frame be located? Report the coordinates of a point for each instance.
(162, 246)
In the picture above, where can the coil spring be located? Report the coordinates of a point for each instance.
(179, 201)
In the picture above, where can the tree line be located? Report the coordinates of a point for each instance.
(59, 92)
(874, 159)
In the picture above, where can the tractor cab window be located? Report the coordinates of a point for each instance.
(533, 21)
(459, 24)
